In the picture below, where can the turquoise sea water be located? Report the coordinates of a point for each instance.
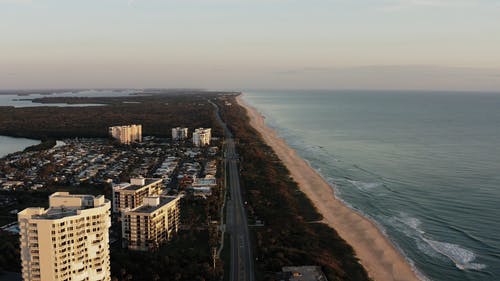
(425, 166)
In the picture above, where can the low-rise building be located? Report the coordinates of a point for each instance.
(202, 187)
(302, 273)
(131, 195)
(148, 226)
(206, 181)
(67, 241)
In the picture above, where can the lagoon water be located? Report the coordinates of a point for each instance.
(425, 166)
(25, 100)
(10, 145)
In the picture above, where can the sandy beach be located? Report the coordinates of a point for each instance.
(376, 253)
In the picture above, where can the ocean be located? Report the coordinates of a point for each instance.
(425, 166)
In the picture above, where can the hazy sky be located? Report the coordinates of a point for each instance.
(222, 44)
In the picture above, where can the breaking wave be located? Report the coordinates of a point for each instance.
(365, 186)
(461, 257)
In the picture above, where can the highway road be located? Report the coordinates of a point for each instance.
(242, 266)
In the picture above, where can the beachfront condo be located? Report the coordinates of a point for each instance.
(179, 133)
(126, 134)
(154, 222)
(130, 195)
(67, 241)
(202, 137)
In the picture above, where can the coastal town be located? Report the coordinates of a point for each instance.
(139, 201)
(100, 161)
(248, 140)
(148, 179)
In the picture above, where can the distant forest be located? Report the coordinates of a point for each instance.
(157, 113)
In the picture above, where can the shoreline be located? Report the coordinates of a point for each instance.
(376, 252)
(18, 148)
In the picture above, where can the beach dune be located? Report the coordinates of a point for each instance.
(375, 252)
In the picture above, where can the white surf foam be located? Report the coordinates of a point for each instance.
(338, 195)
(365, 186)
(462, 258)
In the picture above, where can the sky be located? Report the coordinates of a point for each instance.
(251, 44)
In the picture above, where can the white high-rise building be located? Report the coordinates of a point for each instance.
(154, 222)
(126, 134)
(67, 241)
(131, 195)
(202, 137)
(179, 133)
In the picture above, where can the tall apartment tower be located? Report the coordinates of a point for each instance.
(126, 134)
(202, 137)
(151, 224)
(131, 195)
(179, 133)
(67, 241)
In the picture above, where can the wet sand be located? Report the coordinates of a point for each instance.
(375, 252)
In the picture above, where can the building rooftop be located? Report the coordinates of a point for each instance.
(304, 273)
(205, 182)
(146, 209)
(133, 187)
(63, 204)
(65, 195)
(125, 126)
(147, 181)
(57, 213)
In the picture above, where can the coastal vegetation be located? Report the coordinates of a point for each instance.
(157, 113)
(10, 259)
(188, 256)
(291, 232)
(45, 144)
